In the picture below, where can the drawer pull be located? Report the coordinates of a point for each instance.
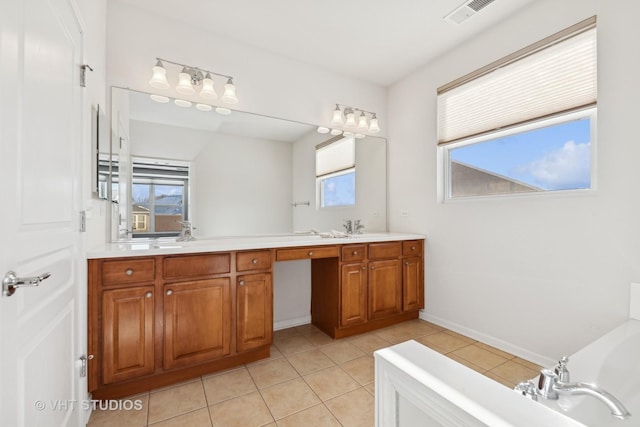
(413, 248)
(364, 267)
(406, 263)
(373, 267)
(310, 253)
(148, 294)
(129, 271)
(241, 282)
(254, 261)
(354, 253)
(169, 292)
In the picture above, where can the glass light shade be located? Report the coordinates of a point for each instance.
(204, 107)
(159, 98)
(183, 103)
(207, 91)
(362, 122)
(229, 95)
(337, 119)
(351, 118)
(373, 125)
(347, 133)
(159, 78)
(184, 83)
(359, 135)
(322, 129)
(336, 132)
(223, 111)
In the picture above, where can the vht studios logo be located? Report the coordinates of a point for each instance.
(103, 405)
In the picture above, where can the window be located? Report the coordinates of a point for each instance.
(336, 172)
(159, 197)
(524, 124)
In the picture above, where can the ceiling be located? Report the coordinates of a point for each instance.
(379, 41)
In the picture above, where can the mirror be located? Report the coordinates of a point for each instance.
(238, 174)
(100, 149)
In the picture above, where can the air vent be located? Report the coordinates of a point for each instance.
(467, 10)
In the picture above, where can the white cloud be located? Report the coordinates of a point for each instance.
(564, 168)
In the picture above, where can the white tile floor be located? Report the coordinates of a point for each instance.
(309, 380)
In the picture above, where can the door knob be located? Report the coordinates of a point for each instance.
(11, 282)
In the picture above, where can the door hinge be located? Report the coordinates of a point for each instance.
(83, 364)
(83, 221)
(83, 74)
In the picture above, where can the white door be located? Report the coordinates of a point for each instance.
(40, 155)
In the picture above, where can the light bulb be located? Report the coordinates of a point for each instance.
(351, 118)
(337, 119)
(204, 107)
(373, 125)
(359, 135)
(322, 129)
(159, 98)
(184, 83)
(362, 122)
(223, 111)
(336, 132)
(229, 95)
(159, 78)
(347, 133)
(208, 92)
(182, 103)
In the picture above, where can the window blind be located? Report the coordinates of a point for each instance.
(335, 156)
(554, 76)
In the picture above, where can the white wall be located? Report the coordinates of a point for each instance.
(540, 276)
(242, 187)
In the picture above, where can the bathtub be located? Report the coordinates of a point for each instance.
(612, 362)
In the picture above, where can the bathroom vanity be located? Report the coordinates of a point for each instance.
(162, 312)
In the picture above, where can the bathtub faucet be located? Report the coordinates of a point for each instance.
(554, 382)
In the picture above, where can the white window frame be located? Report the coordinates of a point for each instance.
(444, 159)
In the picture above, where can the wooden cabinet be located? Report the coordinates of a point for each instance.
(197, 321)
(127, 333)
(413, 276)
(254, 308)
(385, 288)
(353, 294)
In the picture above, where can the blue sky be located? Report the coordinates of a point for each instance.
(554, 157)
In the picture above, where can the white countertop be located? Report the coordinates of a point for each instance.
(146, 247)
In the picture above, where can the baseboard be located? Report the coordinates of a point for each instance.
(490, 340)
(290, 323)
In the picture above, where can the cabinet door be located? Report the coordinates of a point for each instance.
(412, 283)
(127, 333)
(254, 298)
(353, 294)
(197, 321)
(385, 288)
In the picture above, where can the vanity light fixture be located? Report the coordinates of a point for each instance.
(344, 122)
(191, 77)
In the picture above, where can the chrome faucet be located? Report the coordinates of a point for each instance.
(357, 227)
(186, 233)
(555, 382)
(348, 226)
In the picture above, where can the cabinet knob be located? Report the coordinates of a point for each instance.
(254, 261)
(241, 283)
(364, 267)
(354, 253)
(413, 248)
(372, 267)
(90, 357)
(148, 294)
(406, 263)
(310, 253)
(169, 292)
(129, 271)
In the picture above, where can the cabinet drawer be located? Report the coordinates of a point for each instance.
(354, 253)
(310, 252)
(128, 271)
(412, 247)
(385, 250)
(253, 260)
(196, 266)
